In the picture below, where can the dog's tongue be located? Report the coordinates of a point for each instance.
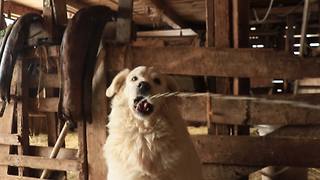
(144, 107)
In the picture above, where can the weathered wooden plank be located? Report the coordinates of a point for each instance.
(53, 52)
(64, 153)
(258, 112)
(60, 12)
(221, 23)
(44, 105)
(231, 111)
(215, 62)
(47, 81)
(168, 16)
(96, 131)
(258, 151)
(40, 163)
(9, 139)
(177, 33)
(124, 21)
(210, 23)
(12, 177)
(6, 129)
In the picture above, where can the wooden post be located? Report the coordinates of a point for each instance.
(55, 17)
(304, 26)
(221, 34)
(124, 21)
(290, 34)
(22, 112)
(241, 86)
(5, 128)
(48, 16)
(96, 131)
(210, 23)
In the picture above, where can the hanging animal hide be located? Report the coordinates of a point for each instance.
(79, 49)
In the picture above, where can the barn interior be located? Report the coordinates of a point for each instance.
(249, 73)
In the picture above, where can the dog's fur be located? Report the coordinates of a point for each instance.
(153, 147)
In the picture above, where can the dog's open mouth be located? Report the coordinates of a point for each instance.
(142, 106)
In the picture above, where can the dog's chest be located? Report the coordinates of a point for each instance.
(148, 152)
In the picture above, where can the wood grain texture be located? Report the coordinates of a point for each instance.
(258, 151)
(215, 62)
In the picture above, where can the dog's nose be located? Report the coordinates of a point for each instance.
(144, 87)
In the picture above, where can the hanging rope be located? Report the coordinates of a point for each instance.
(260, 21)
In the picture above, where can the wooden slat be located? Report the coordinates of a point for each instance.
(215, 62)
(210, 23)
(167, 33)
(53, 52)
(96, 131)
(124, 21)
(47, 81)
(60, 12)
(64, 153)
(233, 111)
(9, 139)
(40, 163)
(12, 177)
(243, 112)
(44, 105)
(168, 16)
(258, 151)
(6, 129)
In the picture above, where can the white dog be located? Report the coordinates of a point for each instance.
(148, 140)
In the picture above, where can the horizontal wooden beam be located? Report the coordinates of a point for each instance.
(44, 105)
(161, 11)
(258, 151)
(9, 139)
(168, 33)
(64, 153)
(241, 111)
(46, 81)
(230, 110)
(16, 8)
(40, 163)
(13, 177)
(215, 62)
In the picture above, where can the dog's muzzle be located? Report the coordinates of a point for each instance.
(142, 106)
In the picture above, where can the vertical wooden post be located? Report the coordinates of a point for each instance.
(55, 17)
(96, 131)
(219, 34)
(124, 21)
(5, 128)
(22, 112)
(305, 19)
(240, 14)
(59, 9)
(82, 151)
(210, 23)
(290, 34)
(48, 17)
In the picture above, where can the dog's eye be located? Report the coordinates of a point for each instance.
(134, 78)
(157, 81)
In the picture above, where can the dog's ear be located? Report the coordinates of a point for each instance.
(117, 82)
(172, 84)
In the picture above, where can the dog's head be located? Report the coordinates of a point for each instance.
(139, 84)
